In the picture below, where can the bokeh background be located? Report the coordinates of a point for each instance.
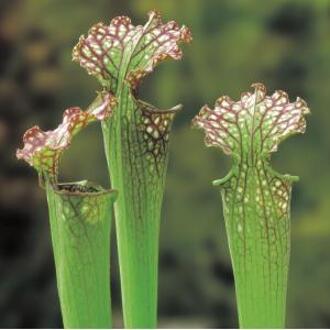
(284, 44)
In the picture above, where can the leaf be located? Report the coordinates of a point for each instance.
(256, 199)
(136, 143)
(256, 123)
(124, 52)
(42, 150)
(154, 126)
(80, 215)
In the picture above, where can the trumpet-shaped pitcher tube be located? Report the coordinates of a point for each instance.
(256, 199)
(80, 219)
(136, 144)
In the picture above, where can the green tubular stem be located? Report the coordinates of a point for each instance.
(80, 220)
(256, 204)
(120, 55)
(256, 199)
(136, 143)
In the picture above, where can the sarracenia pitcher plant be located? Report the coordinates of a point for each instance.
(256, 199)
(136, 138)
(80, 218)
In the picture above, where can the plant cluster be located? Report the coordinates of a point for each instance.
(256, 199)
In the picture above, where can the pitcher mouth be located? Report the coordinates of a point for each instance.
(83, 187)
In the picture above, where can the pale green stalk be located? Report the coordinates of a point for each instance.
(136, 145)
(256, 199)
(80, 218)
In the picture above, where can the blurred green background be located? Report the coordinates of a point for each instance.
(284, 44)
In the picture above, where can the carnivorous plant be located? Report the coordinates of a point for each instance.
(80, 217)
(256, 199)
(136, 139)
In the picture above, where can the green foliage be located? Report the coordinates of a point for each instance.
(136, 145)
(282, 43)
(80, 216)
(256, 199)
(80, 219)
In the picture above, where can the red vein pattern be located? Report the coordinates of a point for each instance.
(124, 51)
(42, 150)
(256, 199)
(154, 126)
(256, 122)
